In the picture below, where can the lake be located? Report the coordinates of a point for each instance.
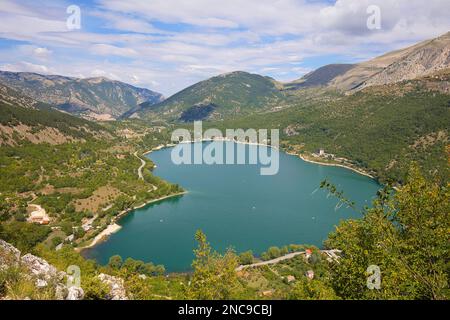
(235, 206)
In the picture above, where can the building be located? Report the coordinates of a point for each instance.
(308, 254)
(39, 215)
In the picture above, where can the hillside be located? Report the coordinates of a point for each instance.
(409, 63)
(232, 94)
(406, 64)
(73, 170)
(23, 119)
(380, 128)
(320, 77)
(94, 98)
(423, 60)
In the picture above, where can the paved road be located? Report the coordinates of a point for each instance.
(273, 261)
(331, 255)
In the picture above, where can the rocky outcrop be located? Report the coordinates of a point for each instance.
(9, 255)
(75, 293)
(116, 285)
(45, 275)
(426, 59)
(40, 271)
(417, 61)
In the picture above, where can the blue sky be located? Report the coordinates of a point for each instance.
(166, 45)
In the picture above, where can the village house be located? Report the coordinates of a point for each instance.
(39, 215)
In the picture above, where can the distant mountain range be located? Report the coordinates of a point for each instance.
(239, 93)
(95, 98)
(382, 113)
(230, 95)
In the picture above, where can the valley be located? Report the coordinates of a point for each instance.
(73, 174)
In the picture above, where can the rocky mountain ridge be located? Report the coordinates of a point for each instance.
(94, 98)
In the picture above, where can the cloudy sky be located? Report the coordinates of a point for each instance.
(166, 45)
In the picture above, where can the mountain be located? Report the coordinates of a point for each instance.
(320, 77)
(230, 94)
(410, 63)
(23, 119)
(418, 61)
(381, 128)
(96, 98)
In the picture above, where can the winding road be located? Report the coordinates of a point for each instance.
(140, 175)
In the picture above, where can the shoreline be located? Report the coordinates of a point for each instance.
(113, 227)
(328, 164)
(359, 171)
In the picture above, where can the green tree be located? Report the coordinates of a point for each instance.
(134, 266)
(405, 235)
(214, 276)
(274, 252)
(24, 235)
(115, 262)
(94, 289)
(306, 289)
(246, 258)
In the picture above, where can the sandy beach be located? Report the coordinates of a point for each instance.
(114, 227)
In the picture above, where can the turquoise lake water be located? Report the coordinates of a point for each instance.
(235, 206)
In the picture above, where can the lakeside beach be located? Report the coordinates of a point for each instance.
(113, 227)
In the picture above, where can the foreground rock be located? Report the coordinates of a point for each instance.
(41, 270)
(75, 293)
(9, 255)
(45, 275)
(117, 288)
(38, 270)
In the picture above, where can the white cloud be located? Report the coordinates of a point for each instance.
(24, 66)
(109, 50)
(42, 52)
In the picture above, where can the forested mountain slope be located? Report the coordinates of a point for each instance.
(228, 95)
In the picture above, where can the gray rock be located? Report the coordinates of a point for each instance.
(75, 293)
(117, 289)
(9, 255)
(40, 283)
(61, 292)
(40, 268)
